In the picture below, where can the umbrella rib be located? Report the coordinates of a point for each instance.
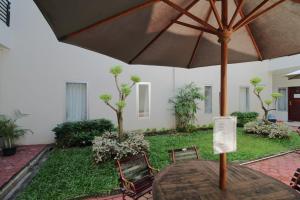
(162, 31)
(250, 14)
(236, 12)
(113, 17)
(190, 15)
(198, 40)
(217, 16)
(259, 55)
(249, 20)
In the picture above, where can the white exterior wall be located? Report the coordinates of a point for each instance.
(238, 76)
(6, 38)
(34, 71)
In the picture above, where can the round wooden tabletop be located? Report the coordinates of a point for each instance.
(197, 179)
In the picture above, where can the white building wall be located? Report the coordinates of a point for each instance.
(239, 75)
(33, 74)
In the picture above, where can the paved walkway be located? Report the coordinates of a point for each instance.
(281, 168)
(11, 165)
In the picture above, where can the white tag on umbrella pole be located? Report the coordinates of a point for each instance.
(224, 134)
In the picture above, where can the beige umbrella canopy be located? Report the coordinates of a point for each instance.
(180, 33)
(147, 32)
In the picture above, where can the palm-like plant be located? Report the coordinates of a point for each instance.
(9, 130)
(186, 104)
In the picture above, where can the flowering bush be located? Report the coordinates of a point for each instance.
(108, 146)
(271, 130)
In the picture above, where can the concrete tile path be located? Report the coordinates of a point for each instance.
(11, 165)
(281, 168)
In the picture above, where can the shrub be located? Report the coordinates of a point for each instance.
(108, 146)
(185, 105)
(271, 130)
(81, 133)
(206, 127)
(244, 117)
(163, 131)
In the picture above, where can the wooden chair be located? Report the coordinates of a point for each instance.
(136, 176)
(190, 153)
(295, 181)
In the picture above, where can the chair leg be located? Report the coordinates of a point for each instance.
(123, 196)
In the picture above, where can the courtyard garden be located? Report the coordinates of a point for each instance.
(71, 173)
(83, 161)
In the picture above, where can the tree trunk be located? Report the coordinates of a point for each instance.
(120, 125)
(266, 115)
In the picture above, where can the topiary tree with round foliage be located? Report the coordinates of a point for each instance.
(267, 103)
(124, 91)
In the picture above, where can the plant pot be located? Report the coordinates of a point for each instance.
(9, 151)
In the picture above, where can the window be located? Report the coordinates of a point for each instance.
(282, 101)
(208, 99)
(244, 104)
(76, 101)
(143, 100)
(5, 11)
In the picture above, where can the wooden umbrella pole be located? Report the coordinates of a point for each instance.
(224, 39)
(223, 109)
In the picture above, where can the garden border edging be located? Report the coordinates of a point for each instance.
(269, 157)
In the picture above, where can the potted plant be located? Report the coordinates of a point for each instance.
(10, 131)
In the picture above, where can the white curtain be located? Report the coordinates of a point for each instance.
(244, 99)
(282, 101)
(144, 103)
(76, 101)
(208, 99)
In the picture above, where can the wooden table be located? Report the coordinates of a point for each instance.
(193, 180)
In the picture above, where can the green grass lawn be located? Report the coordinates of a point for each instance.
(71, 172)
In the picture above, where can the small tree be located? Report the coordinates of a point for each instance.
(124, 90)
(265, 104)
(185, 104)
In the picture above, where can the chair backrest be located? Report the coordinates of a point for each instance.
(190, 153)
(295, 181)
(134, 168)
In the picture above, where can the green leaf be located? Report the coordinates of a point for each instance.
(268, 101)
(135, 79)
(105, 97)
(259, 88)
(116, 70)
(121, 104)
(276, 95)
(125, 89)
(255, 81)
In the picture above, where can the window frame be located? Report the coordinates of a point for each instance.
(286, 99)
(87, 98)
(138, 99)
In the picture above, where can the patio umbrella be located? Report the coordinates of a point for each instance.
(180, 33)
(293, 75)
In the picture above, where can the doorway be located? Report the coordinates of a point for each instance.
(294, 104)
